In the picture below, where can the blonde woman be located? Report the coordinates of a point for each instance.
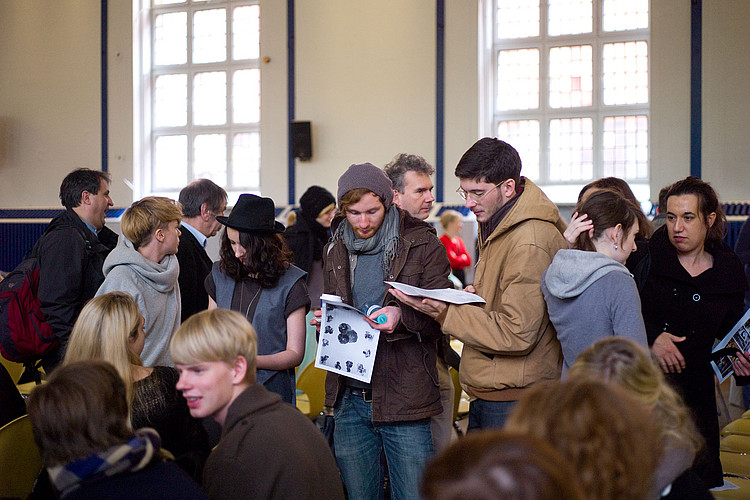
(110, 328)
(623, 362)
(144, 265)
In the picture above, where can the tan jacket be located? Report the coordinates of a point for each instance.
(509, 342)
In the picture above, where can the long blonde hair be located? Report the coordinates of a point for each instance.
(623, 362)
(104, 328)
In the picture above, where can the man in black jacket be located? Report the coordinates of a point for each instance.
(201, 202)
(71, 253)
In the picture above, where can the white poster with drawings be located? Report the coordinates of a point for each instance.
(347, 343)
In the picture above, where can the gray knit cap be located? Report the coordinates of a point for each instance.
(368, 176)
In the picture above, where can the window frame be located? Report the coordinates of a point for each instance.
(490, 117)
(145, 74)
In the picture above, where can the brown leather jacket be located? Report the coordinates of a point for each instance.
(404, 380)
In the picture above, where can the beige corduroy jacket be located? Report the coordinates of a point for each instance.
(509, 342)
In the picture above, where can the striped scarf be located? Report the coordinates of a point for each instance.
(134, 455)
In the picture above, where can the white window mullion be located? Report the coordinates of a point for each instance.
(177, 62)
(622, 88)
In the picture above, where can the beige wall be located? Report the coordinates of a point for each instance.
(726, 98)
(670, 93)
(49, 96)
(364, 77)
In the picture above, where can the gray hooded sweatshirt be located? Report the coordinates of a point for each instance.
(590, 296)
(154, 288)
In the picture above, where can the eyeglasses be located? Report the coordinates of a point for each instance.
(465, 195)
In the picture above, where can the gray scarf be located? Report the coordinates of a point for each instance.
(385, 240)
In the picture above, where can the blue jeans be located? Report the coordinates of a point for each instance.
(488, 414)
(358, 443)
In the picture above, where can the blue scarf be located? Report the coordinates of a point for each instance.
(132, 456)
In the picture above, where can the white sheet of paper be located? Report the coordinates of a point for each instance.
(348, 344)
(450, 295)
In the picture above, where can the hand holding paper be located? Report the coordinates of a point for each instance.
(442, 294)
(435, 301)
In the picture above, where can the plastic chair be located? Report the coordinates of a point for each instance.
(735, 443)
(736, 494)
(20, 462)
(460, 401)
(312, 381)
(740, 426)
(735, 463)
(14, 369)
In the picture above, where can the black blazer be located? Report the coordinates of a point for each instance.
(195, 265)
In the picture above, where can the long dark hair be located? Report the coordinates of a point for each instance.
(645, 228)
(268, 257)
(606, 209)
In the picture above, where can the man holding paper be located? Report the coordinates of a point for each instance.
(374, 241)
(509, 342)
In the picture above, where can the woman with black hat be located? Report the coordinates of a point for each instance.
(255, 277)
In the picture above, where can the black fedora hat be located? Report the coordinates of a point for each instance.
(253, 214)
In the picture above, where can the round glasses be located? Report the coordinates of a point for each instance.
(465, 195)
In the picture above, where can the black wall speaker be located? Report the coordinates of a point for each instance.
(301, 140)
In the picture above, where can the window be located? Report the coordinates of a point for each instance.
(567, 85)
(199, 99)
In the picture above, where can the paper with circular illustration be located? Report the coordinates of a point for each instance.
(347, 343)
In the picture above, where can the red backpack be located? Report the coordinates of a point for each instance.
(24, 334)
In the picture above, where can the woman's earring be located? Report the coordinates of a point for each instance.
(615, 246)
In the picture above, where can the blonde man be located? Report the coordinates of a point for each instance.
(268, 449)
(144, 265)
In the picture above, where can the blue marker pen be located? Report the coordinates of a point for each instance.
(368, 309)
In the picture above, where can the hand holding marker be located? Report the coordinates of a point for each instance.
(368, 309)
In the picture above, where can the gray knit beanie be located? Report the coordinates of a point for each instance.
(368, 176)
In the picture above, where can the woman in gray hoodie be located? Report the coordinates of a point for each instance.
(144, 265)
(590, 294)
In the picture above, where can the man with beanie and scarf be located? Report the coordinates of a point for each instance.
(373, 240)
(509, 342)
(309, 234)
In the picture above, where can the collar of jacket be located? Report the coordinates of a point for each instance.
(531, 204)
(722, 278)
